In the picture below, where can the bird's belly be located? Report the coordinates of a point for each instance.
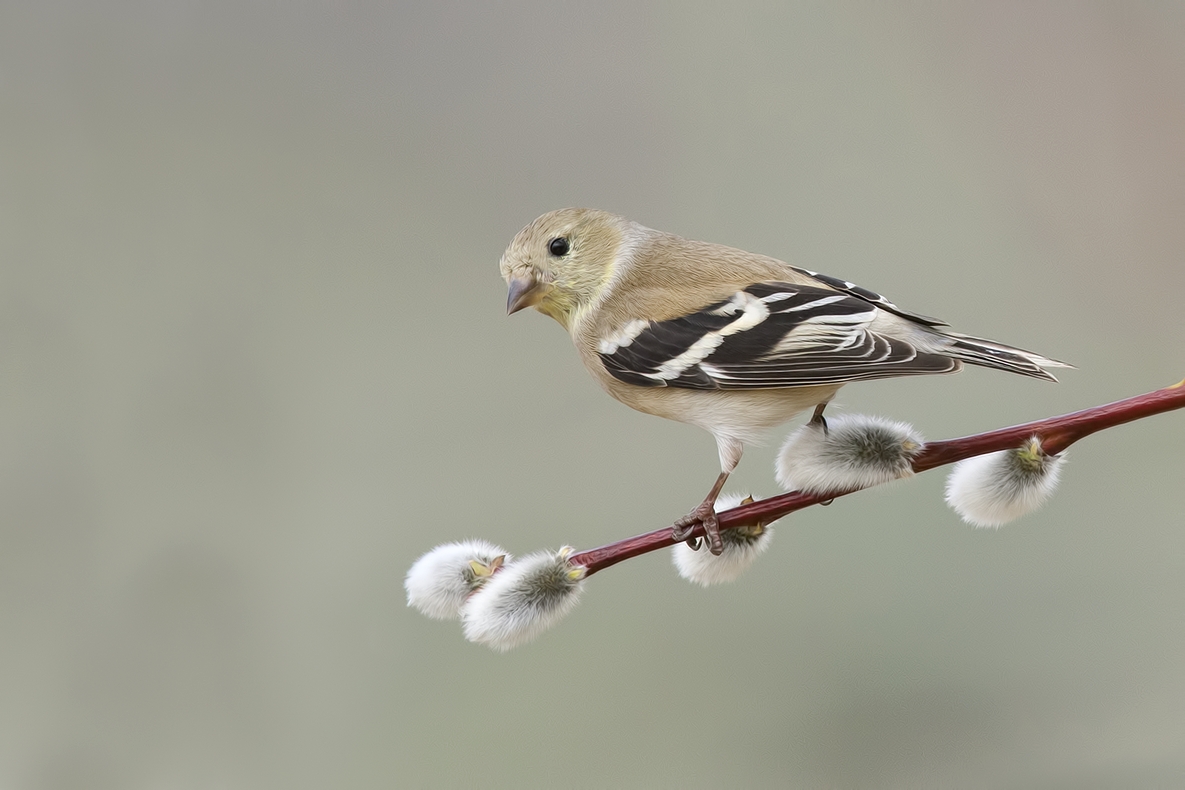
(741, 414)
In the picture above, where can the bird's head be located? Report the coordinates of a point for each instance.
(560, 262)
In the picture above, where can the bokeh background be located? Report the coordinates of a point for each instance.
(254, 361)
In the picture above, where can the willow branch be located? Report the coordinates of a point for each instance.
(1055, 434)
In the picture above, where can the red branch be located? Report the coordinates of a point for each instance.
(1055, 433)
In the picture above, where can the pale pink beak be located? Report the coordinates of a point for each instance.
(523, 292)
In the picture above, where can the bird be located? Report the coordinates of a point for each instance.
(733, 342)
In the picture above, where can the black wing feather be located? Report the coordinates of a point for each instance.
(767, 354)
(872, 297)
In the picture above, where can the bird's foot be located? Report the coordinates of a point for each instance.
(704, 515)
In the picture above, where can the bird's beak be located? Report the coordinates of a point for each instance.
(523, 292)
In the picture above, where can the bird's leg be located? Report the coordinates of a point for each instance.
(818, 419)
(704, 513)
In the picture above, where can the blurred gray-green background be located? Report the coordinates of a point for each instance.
(254, 361)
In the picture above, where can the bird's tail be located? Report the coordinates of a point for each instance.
(990, 354)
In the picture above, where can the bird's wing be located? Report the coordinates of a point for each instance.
(871, 297)
(769, 335)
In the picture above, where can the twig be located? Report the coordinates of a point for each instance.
(1055, 433)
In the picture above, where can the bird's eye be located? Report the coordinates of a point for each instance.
(558, 247)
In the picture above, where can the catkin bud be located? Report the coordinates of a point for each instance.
(993, 489)
(523, 600)
(440, 581)
(853, 451)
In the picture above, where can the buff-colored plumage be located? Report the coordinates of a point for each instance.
(619, 271)
(615, 278)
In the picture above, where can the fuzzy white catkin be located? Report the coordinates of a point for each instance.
(742, 546)
(993, 489)
(523, 599)
(440, 581)
(855, 451)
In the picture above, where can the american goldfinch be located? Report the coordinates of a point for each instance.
(728, 340)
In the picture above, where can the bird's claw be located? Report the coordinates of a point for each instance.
(704, 515)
